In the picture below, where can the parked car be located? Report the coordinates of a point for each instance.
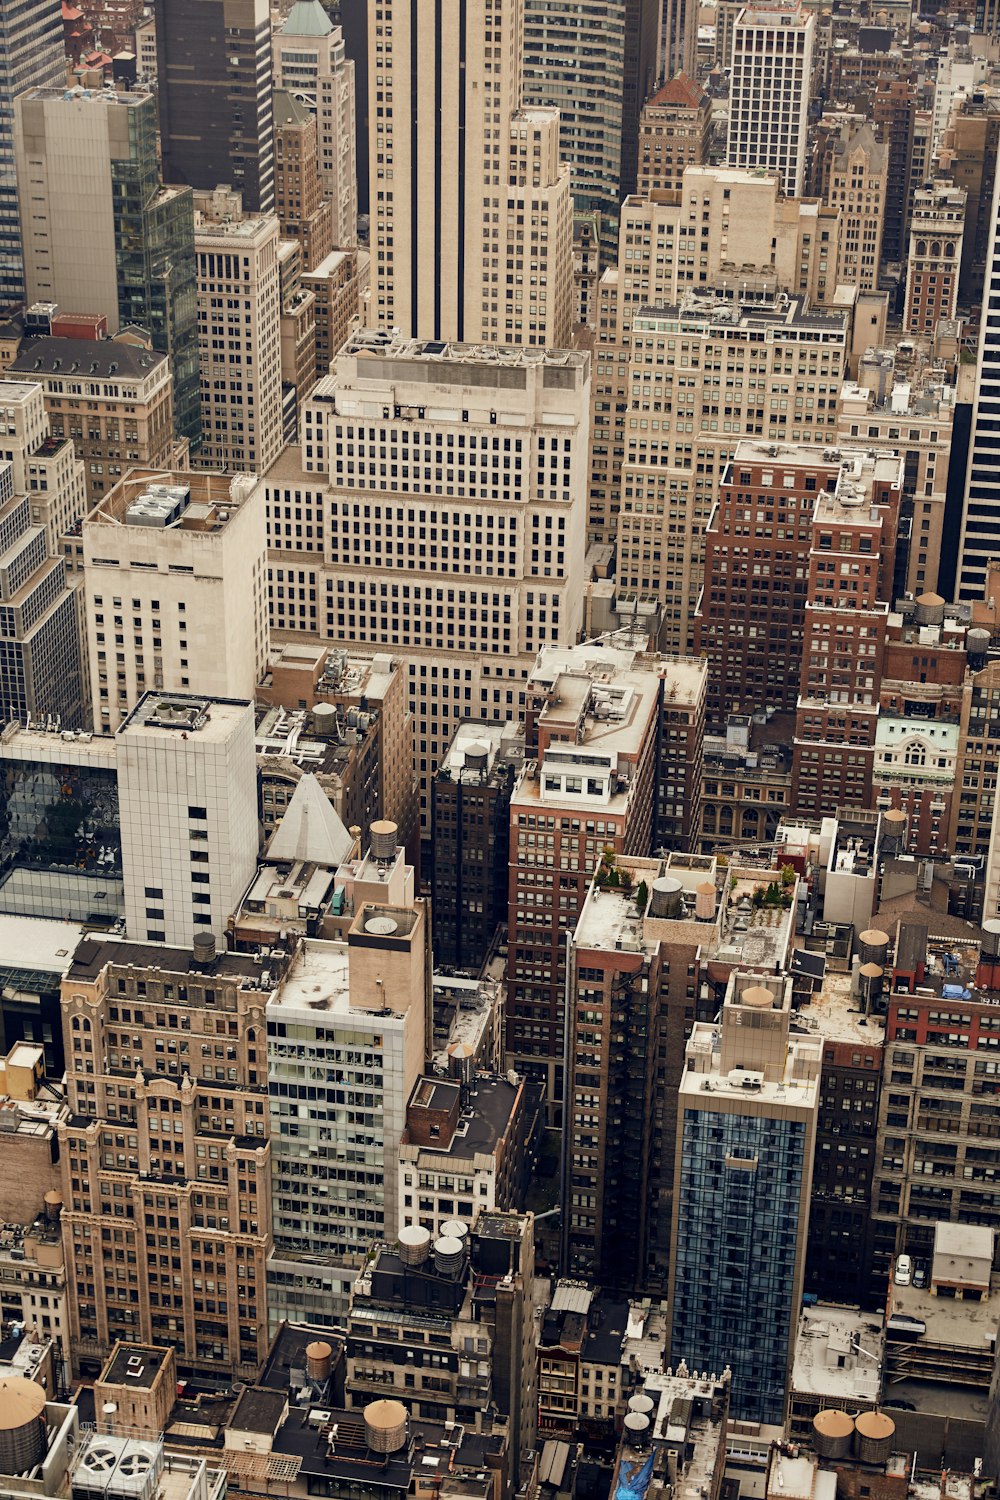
(919, 1273)
(903, 1273)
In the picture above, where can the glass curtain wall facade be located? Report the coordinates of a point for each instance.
(60, 847)
(740, 1196)
(156, 267)
(31, 55)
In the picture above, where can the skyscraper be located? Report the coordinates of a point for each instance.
(981, 515)
(31, 55)
(749, 1101)
(471, 221)
(311, 63)
(100, 232)
(769, 90)
(214, 92)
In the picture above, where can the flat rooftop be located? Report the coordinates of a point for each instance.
(827, 1362)
(37, 943)
(212, 501)
(382, 343)
(94, 953)
(958, 1323)
(318, 979)
(832, 1013)
(488, 1112)
(176, 716)
(134, 1365)
(705, 1039)
(471, 738)
(756, 937)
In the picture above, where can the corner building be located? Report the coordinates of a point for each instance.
(166, 1155)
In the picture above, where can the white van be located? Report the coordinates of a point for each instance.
(904, 1270)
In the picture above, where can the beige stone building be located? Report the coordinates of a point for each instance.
(471, 218)
(298, 336)
(298, 195)
(175, 590)
(485, 463)
(166, 1157)
(310, 62)
(858, 168)
(239, 334)
(113, 399)
(338, 284)
(728, 230)
(701, 376)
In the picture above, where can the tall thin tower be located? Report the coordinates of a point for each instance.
(31, 56)
(769, 90)
(214, 92)
(980, 536)
(471, 219)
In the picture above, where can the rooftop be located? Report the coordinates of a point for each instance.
(381, 343)
(487, 1113)
(93, 954)
(175, 716)
(91, 359)
(136, 1365)
(827, 1361)
(715, 308)
(36, 943)
(955, 1322)
(833, 1013)
(478, 748)
(172, 500)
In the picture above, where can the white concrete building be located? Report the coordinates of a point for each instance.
(311, 62)
(239, 334)
(438, 509)
(187, 796)
(175, 590)
(345, 1045)
(769, 89)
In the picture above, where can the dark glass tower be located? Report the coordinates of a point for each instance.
(214, 91)
(157, 275)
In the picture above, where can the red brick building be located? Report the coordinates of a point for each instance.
(851, 561)
(750, 621)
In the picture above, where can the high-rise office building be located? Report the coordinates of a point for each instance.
(167, 1049)
(679, 39)
(305, 215)
(633, 981)
(358, 1008)
(574, 61)
(749, 1099)
(588, 785)
(856, 177)
(937, 229)
(101, 234)
(120, 415)
(752, 611)
(470, 828)
(894, 108)
(981, 512)
(239, 335)
(674, 128)
(769, 91)
(175, 588)
(213, 74)
(32, 55)
(850, 573)
(42, 671)
(486, 458)
(471, 219)
(311, 64)
(186, 764)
